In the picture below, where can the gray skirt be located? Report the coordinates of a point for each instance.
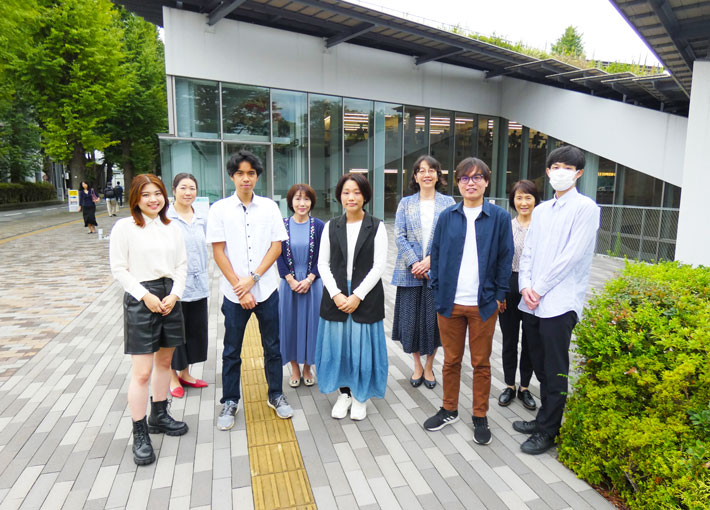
(145, 332)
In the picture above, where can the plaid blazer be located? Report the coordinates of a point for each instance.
(408, 236)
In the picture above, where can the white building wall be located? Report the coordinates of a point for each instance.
(649, 141)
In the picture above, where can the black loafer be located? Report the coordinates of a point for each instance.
(429, 384)
(527, 399)
(538, 443)
(416, 382)
(525, 427)
(506, 397)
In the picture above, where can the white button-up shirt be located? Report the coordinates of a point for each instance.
(141, 254)
(248, 232)
(557, 255)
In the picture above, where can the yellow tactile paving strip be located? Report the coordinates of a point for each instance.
(278, 476)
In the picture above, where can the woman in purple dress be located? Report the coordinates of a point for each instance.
(301, 287)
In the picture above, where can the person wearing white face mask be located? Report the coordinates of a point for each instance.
(554, 274)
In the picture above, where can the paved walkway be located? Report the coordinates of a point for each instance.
(65, 428)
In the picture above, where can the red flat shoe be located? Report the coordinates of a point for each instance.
(199, 383)
(178, 392)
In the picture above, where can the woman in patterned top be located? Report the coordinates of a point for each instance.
(523, 198)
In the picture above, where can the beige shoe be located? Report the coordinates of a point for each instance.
(358, 411)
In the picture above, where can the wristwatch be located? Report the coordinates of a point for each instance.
(256, 277)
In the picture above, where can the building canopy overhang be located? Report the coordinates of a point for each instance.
(338, 22)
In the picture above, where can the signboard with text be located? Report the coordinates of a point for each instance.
(73, 200)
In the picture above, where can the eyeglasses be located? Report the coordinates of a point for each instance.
(475, 178)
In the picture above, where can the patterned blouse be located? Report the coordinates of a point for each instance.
(519, 233)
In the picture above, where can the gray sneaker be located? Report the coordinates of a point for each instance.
(280, 405)
(225, 421)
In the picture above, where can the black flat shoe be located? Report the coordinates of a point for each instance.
(416, 382)
(538, 443)
(527, 399)
(506, 397)
(429, 384)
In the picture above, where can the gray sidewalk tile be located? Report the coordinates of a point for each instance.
(367, 462)
(221, 494)
(201, 489)
(76, 498)
(338, 481)
(324, 497)
(346, 502)
(57, 495)
(39, 491)
(478, 483)
(571, 497)
(544, 491)
(240, 472)
(361, 490)
(383, 494)
(406, 498)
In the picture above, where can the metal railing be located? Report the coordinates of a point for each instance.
(639, 233)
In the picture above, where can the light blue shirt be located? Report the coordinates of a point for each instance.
(197, 284)
(557, 255)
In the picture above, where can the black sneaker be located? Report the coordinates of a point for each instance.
(481, 432)
(441, 419)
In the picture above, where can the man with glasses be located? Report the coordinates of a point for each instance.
(471, 263)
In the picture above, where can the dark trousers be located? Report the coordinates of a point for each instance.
(510, 327)
(548, 340)
(235, 321)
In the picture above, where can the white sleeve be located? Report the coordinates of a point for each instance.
(118, 259)
(215, 228)
(180, 263)
(324, 263)
(378, 265)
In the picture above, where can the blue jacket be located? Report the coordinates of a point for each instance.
(285, 261)
(494, 239)
(408, 236)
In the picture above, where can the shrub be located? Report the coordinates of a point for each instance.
(15, 193)
(639, 418)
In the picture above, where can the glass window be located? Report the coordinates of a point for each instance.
(261, 152)
(671, 196)
(642, 189)
(485, 140)
(515, 139)
(465, 143)
(357, 127)
(245, 112)
(606, 179)
(197, 103)
(416, 140)
(201, 159)
(325, 139)
(290, 125)
(441, 138)
(537, 158)
(388, 153)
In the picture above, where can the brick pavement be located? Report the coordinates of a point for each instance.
(65, 428)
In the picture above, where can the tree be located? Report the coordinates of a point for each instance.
(570, 43)
(73, 74)
(141, 110)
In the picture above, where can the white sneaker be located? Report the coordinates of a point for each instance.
(340, 409)
(358, 411)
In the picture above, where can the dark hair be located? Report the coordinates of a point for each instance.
(184, 175)
(361, 182)
(475, 165)
(433, 163)
(134, 196)
(241, 156)
(569, 155)
(524, 186)
(307, 190)
(88, 185)
(118, 183)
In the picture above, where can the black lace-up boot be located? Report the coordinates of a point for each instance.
(142, 448)
(160, 421)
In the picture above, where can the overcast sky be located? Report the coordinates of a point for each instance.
(538, 23)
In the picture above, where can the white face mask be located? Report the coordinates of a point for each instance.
(562, 179)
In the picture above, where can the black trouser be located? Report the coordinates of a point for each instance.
(510, 327)
(548, 341)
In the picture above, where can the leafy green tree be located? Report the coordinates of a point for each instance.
(141, 110)
(20, 154)
(570, 43)
(74, 77)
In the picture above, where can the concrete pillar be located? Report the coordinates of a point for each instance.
(587, 184)
(692, 246)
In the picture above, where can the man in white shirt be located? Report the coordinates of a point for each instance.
(246, 231)
(554, 273)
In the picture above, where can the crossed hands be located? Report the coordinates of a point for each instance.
(346, 304)
(421, 268)
(163, 307)
(242, 289)
(300, 287)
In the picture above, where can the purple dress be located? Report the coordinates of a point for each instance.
(299, 313)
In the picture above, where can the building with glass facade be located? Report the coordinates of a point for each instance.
(312, 113)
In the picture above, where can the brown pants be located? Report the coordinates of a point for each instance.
(453, 340)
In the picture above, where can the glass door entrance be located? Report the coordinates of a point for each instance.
(261, 151)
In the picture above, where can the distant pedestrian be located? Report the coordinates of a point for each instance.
(111, 203)
(414, 321)
(351, 350)
(147, 255)
(118, 192)
(197, 288)
(301, 286)
(87, 205)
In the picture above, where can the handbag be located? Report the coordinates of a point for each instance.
(94, 197)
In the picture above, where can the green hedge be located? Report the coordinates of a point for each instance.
(638, 421)
(15, 193)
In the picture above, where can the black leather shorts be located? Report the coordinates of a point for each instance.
(145, 332)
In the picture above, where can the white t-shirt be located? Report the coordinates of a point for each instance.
(467, 286)
(426, 216)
